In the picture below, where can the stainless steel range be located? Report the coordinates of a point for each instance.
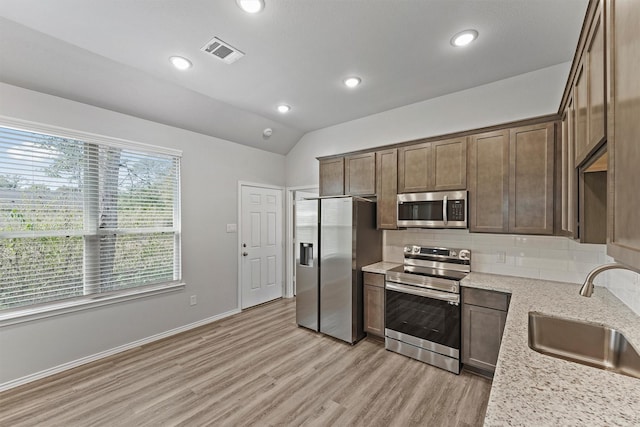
(422, 305)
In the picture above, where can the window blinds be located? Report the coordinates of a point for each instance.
(80, 218)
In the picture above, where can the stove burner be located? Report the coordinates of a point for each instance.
(434, 268)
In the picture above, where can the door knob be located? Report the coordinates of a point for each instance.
(245, 253)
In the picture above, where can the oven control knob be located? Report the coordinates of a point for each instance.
(464, 254)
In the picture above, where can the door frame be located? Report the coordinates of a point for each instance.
(242, 184)
(290, 261)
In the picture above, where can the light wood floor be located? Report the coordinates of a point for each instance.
(254, 368)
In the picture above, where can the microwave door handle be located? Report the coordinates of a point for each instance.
(444, 209)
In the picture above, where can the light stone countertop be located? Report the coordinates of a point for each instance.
(532, 389)
(380, 267)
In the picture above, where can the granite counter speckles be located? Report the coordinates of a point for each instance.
(380, 267)
(532, 389)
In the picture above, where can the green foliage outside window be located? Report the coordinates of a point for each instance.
(63, 201)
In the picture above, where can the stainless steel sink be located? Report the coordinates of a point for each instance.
(590, 344)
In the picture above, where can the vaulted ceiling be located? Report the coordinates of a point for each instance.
(114, 54)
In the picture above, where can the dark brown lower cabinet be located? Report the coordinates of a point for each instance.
(483, 317)
(374, 304)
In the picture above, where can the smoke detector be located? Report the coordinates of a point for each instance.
(221, 50)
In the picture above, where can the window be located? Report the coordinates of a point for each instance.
(84, 216)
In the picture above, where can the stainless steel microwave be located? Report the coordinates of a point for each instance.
(442, 209)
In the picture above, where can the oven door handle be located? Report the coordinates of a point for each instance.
(438, 284)
(442, 296)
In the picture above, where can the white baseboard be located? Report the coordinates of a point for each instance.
(78, 362)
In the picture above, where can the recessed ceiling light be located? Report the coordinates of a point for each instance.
(251, 6)
(180, 63)
(463, 38)
(352, 81)
(284, 108)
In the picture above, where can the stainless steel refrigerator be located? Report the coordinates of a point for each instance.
(335, 237)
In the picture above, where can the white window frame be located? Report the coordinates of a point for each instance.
(55, 308)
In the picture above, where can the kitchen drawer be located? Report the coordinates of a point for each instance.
(374, 279)
(484, 298)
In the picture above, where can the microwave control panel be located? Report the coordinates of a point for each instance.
(456, 210)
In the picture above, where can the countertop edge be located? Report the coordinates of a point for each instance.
(534, 389)
(380, 267)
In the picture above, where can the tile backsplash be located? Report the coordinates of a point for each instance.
(539, 257)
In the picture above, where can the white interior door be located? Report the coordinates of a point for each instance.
(261, 245)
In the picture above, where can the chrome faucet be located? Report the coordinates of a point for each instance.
(587, 288)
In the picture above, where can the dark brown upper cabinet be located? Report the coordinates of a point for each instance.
(511, 180)
(580, 99)
(450, 164)
(589, 91)
(568, 176)
(414, 168)
(596, 70)
(433, 166)
(489, 182)
(332, 176)
(531, 179)
(623, 130)
(360, 174)
(387, 188)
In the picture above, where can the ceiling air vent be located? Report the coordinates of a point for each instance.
(222, 51)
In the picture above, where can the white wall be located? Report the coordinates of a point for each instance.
(528, 95)
(211, 168)
(521, 97)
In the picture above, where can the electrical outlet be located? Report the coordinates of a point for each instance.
(193, 300)
(501, 257)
